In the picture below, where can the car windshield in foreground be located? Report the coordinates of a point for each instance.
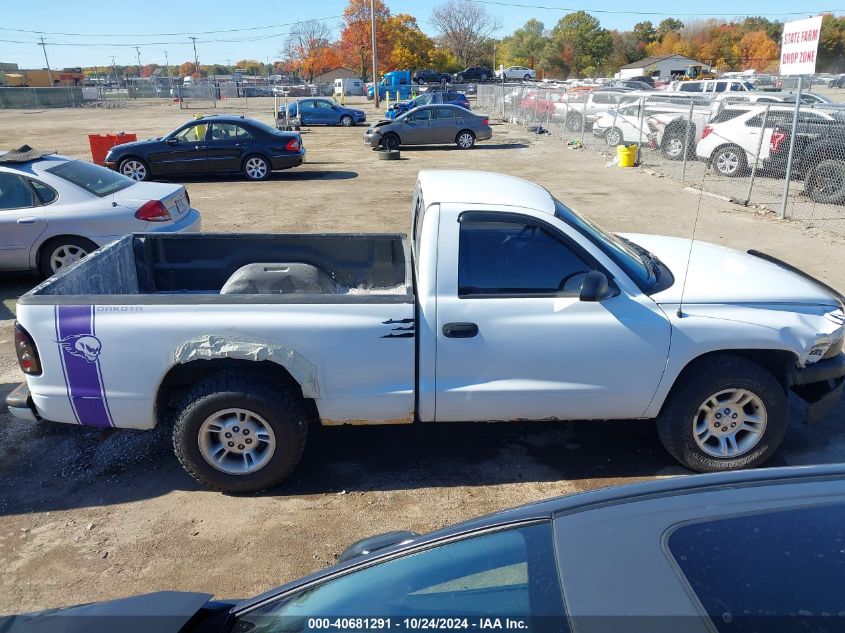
(638, 263)
(94, 179)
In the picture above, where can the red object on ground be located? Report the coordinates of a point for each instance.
(102, 143)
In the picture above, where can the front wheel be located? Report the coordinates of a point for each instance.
(825, 183)
(240, 432)
(421, 82)
(527, 77)
(61, 252)
(346, 120)
(727, 413)
(673, 146)
(574, 123)
(730, 161)
(134, 168)
(459, 79)
(614, 137)
(390, 141)
(256, 168)
(465, 139)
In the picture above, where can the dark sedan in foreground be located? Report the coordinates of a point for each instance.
(759, 550)
(430, 125)
(216, 144)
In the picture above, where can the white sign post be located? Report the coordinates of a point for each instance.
(799, 47)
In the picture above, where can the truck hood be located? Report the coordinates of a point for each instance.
(722, 275)
(162, 611)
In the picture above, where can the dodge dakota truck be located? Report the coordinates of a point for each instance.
(504, 305)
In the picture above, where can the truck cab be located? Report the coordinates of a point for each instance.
(396, 82)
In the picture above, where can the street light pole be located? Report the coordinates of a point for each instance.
(375, 66)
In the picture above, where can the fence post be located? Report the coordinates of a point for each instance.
(686, 141)
(642, 122)
(584, 119)
(757, 155)
(791, 148)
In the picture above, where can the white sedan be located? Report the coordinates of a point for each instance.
(54, 210)
(516, 72)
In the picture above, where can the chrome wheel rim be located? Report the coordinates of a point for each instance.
(465, 140)
(730, 423)
(236, 441)
(134, 169)
(66, 255)
(346, 121)
(674, 147)
(727, 162)
(256, 168)
(573, 124)
(613, 137)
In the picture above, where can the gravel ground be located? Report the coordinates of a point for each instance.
(89, 515)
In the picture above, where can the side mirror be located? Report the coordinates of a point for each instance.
(172, 140)
(595, 287)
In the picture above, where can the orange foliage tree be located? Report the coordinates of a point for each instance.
(758, 51)
(355, 37)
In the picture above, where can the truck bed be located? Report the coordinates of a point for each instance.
(236, 268)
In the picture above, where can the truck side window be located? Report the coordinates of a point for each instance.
(511, 258)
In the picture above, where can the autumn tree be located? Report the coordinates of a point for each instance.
(758, 51)
(581, 42)
(355, 36)
(307, 47)
(463, 27)
(832, 44)
(250, 66)
(186, 69)
(409, 46)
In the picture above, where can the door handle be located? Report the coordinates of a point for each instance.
(27, 220)
(199, 146)
(460, 330)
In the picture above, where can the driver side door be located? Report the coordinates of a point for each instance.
(183, 152)
(417, 128)
(514, 341)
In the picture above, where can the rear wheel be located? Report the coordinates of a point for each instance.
(673, 145)
(421, 82)
(465, 139)
(729, 161)
(256, 168)
(61, 252)
(346, 120)
(614, 137)
(240, 432)
(459, 79)
(727, 413)
(574, 123)
(527, 77)
(134, 168)
(390, 141)
(825, 182)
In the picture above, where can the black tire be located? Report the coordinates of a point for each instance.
(445, 80)
(254, 392)
(527, 77)
(614, 133)
(574, 123)
(391, 141)
(74, 247)
(825, 183)
(135, 168)
(484, 77)
(251, 169)
(465, 139)
(708, 377)
(346, 121)
(673, 146)
(729, 161)
(389, 154)
(421, 82)
(459, 79)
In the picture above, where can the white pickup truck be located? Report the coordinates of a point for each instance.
(505, 305)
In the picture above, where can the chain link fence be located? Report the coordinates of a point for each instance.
(732, 145)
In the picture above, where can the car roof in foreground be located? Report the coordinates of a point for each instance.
(482, 187)
(577, 503)
(37, 166)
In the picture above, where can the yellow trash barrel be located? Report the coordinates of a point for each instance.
(627, 155)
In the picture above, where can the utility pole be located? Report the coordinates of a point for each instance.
(49, 72)
(375, 64)
(114, 68)
(196, 59)
(138, 52)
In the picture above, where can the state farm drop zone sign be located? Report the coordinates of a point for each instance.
(799, 46)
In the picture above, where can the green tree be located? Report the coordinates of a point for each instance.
(668, 25)
(644, 33)
(528, 43)
(832, 44)
(582, 42)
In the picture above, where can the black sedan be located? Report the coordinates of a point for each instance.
(214, 144)
(474, 73)
(759, 550)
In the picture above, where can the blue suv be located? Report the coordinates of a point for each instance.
(324, 112)
(439, 96)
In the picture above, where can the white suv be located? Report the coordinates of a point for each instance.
(516, 72)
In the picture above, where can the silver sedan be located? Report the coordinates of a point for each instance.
(54, 210)
(431, 125)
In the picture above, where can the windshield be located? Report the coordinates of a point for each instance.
(637, 262)
(93, 178)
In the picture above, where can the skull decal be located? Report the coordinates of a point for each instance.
(84, 346)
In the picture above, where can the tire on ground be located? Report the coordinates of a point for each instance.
(705, 378)
(723, 163)
(390, 141)
(825, 183)
(278, 405)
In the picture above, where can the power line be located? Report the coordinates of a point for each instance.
(246, 28)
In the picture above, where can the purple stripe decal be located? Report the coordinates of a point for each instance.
(80, 351)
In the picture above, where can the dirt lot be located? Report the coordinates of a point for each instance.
(85, 515)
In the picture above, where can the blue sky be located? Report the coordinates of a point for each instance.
(112, 29)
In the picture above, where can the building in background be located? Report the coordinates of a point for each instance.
(329, 76)
(664, 67)
(11, 76)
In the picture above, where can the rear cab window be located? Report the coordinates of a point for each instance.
(751, 572)
(96, 180)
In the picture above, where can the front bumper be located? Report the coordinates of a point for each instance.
(20, 404)
(821, 385)
(373, 139)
